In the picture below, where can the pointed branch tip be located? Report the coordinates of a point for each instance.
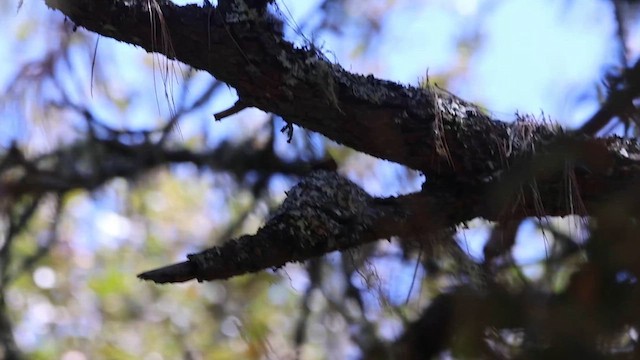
(180, 272)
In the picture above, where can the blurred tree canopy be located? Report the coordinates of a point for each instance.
(265, 205)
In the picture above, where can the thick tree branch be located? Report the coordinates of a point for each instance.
(426, 129)
(240, 47)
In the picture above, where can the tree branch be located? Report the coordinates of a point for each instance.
(425, 129)
(323, 213)
(239, 47)
(89, 164)
(622, 91)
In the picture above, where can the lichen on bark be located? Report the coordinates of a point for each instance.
(322, 207)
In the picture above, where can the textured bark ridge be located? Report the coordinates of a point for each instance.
(323, 213)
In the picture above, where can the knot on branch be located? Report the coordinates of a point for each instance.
(323, 205)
